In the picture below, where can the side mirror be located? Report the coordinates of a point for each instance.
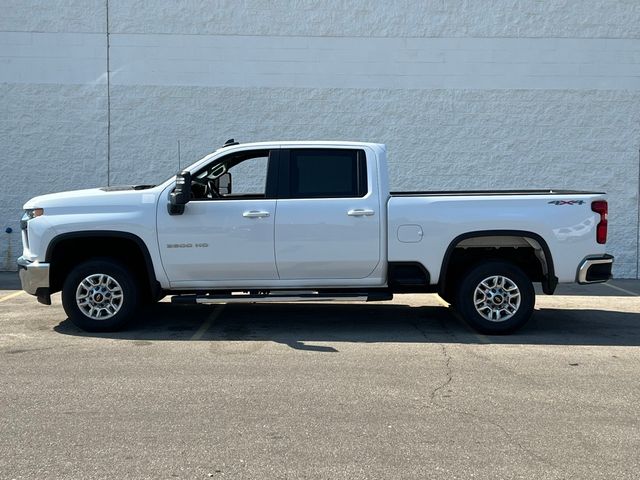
(181, 194)
(224, 184)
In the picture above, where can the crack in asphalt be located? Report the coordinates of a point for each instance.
(448, 373)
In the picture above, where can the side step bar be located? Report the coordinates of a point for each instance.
(241, 297)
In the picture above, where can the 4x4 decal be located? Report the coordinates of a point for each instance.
(567, 202)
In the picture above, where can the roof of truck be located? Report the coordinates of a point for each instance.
(293, 143)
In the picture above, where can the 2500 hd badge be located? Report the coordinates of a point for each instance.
(187, 245)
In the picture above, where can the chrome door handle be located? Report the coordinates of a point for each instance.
(255, 214)
(360, 212)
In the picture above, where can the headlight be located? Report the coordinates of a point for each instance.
(30, 213)
(33, 213)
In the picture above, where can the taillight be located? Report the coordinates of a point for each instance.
(601, 208)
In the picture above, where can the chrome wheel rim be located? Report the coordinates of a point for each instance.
(497, 298)
(99, 296)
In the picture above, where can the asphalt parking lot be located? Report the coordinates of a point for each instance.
(383, 390)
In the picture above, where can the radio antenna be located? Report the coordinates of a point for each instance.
(179, 167)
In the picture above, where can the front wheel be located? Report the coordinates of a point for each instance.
(100, 295)
(496, 297)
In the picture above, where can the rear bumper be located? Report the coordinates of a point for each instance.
(34, 277)
(595, 269)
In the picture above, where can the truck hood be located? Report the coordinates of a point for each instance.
(88, 197)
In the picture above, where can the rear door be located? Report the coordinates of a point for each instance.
(327, 215)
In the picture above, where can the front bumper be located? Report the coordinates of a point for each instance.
(595, 269)
(34, 277)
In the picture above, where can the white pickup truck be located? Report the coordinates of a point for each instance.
(306, 221)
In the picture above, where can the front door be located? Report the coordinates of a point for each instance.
(226, 231)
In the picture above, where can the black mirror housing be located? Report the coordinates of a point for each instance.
(181, 194)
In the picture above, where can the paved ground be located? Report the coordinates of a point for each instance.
(389, 390)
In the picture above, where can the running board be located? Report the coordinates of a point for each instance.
(281, 297)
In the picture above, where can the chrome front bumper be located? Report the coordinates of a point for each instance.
(595, 269)
(33, 275)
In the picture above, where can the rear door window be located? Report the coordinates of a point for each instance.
(327, 173)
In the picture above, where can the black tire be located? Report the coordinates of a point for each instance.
(123, 309)
(495, 302)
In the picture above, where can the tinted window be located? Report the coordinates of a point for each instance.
(327, 173)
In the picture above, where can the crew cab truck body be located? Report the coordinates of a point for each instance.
(306, 221)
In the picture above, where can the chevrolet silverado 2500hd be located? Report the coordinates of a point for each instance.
(306, 221)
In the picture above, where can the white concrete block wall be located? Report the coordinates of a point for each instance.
(358, 62)
(492, 94)
(65, 16)
(399, 18)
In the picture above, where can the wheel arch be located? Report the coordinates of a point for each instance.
(549, 280)
(112, 239)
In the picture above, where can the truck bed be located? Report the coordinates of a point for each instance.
(491, 192)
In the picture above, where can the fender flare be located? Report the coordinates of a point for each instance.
(549, 281)
(153, 283)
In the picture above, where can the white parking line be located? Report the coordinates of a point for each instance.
(208, 322)
(11, 295)
(622, 289)
(441, 301)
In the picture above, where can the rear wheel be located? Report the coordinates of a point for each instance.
(100, 295)
(496, 297)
